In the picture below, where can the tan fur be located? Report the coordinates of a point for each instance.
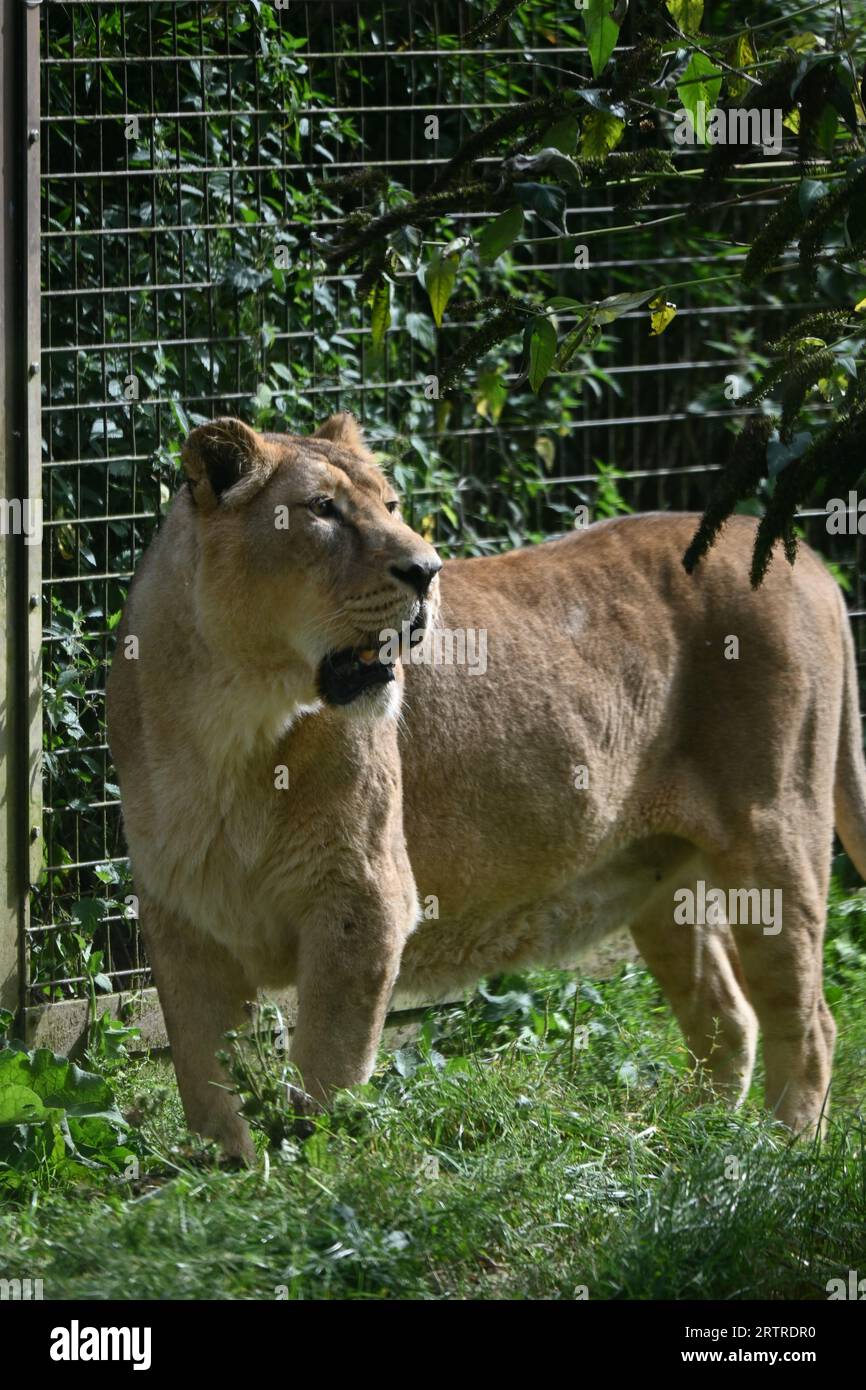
(602, 654)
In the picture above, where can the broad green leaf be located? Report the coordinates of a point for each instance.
(662, 312)
(89, 912)
(562, 136)
(380, 311)
(60, 1082)
(860, 308)
(601, 32)
(618, 304)
(439, 278)
(492, 393)
(57, 1083)
(19, 1105)
(686, 14)
(600, 133)
(698, 90)
(542, 349)
(498, 235)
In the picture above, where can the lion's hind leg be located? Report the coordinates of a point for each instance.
(782, 962)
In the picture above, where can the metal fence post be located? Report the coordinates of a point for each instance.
(20, 488)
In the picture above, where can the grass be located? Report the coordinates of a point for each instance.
(491, 1159)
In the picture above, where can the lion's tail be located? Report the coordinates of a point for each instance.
(850, 798)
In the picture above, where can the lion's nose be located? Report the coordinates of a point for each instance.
(420, 575)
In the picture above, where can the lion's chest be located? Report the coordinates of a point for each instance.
(245, 868)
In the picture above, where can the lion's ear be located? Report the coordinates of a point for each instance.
(219, 456)
(344, 429)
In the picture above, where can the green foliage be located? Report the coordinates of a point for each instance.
(341, 316)
(540, 1139)
(778, 68)
(498, 236)
(542, 348)
(269, 1086)
(58, 1124)
(686, 14)
(440, 275)
(699, 86)
(602, 32)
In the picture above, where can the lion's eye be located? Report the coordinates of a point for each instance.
(393, 506)
(323, 506)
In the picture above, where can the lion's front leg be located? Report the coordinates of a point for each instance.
(347, 965)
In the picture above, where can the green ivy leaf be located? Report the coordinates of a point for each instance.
(498, 235)
(542, 350)
(686, 14)
(601, 31)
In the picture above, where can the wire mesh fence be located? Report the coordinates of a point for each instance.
(192, 153)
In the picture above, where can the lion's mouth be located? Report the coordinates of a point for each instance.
(345, 674)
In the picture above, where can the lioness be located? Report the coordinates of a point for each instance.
(637, 732)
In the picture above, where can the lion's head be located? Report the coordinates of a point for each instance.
(302, 555)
